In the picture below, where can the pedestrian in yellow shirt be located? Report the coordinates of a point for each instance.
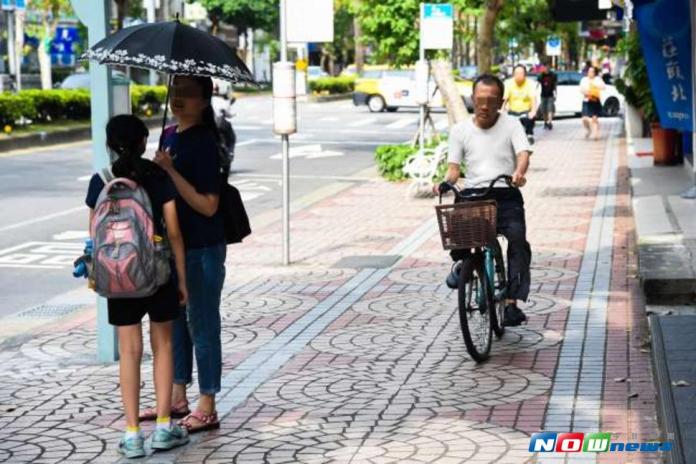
(521, 100)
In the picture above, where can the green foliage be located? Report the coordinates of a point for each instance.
(333, 85)
(13, 107)
(147, 97)
(634, 85)
(54, 105)
(391, 158)
(390, 28)
(243, 14)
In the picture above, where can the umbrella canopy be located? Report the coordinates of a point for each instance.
(172, 48)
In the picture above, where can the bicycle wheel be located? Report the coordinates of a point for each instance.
(474, 308)
(499, 290)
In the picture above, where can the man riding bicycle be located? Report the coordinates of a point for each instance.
(492, 144)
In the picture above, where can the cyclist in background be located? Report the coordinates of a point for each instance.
(520, 99)
(491, 144)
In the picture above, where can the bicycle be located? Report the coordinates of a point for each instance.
(482, 284)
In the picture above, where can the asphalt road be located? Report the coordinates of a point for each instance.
(42, 191)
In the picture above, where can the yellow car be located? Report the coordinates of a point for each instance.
(391, 89)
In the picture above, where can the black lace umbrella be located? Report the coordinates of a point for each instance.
(172, 48)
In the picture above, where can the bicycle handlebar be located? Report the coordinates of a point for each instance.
(445, 187)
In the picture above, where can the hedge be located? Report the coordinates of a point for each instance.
(58, 104)
(390, 161)
(333, 85)
(13, 107)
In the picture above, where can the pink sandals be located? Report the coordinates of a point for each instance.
(180, 409)
(204, 421)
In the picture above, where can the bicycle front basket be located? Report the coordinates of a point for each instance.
(469, 224)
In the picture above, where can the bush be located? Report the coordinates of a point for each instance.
(13, 107)
(146, 97)
(391, 158)
(53, 105)
(333, 85)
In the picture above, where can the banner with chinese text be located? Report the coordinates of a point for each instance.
(665, 37)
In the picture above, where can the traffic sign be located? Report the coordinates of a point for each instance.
(436, 26)
(310, 21)
(20, 5)
(7, 5)
(553, 46)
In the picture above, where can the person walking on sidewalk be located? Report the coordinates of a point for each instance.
(520, 100)
(547, 81)
(193, 161)
(492, 144)
(591, 87)
(126, 137)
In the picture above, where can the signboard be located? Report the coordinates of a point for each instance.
(436, 26)
(553, 46)
(7, 5)
(20, 5)
(310, 21)
(666, 43)
(62, 46)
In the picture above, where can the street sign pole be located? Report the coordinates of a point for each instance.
(12, 56)
(285, 141)
(421, 107)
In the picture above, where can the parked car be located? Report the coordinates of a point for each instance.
(569, 98)
(80, 80)
(391, 89)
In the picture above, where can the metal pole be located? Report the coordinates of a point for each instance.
(12, 56)
(151, 18)
(285, 142)
(421, 110)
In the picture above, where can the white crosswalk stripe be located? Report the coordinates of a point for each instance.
(402, 123)
(363, 122)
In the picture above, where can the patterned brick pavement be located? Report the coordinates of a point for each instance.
(327, 364)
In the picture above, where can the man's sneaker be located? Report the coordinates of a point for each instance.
(164, 439)
(550, 126)
(513, 316)
(452, 280)
(132, 448)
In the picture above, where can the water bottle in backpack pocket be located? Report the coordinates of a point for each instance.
(125, 255)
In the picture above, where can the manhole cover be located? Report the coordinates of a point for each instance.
(368, 261)
(48, 311)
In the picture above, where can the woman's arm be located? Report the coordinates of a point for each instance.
(205, 204)
(176, 241)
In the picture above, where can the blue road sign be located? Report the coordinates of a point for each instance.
(7, 5)
(20, 5)
(438, 10)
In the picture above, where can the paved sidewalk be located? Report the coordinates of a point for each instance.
(352, 363)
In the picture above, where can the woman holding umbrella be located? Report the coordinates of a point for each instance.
(192, 159)
(190, 154)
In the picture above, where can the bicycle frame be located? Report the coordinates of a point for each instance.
(489, 262)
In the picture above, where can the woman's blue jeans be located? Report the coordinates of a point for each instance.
(198, 329)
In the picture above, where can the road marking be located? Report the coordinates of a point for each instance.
(43, 218)
(329, 119)
(241, 127)
(309, 152)
(72, 235)
(307, 177)
(403, 122)
(41, 255)
(84, 178)
(363, 122)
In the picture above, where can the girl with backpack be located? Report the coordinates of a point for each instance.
(193, 160)
(128, 221)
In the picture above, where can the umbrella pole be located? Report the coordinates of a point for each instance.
(166, 109)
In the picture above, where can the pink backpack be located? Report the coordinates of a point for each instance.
(126, 260)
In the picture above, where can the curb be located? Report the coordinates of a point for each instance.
(44, 139)
(666, 410)
(328, 98)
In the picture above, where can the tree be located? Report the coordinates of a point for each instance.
(485, 34)
(244, 15)
(388, 27)
(50, 12)
(121, 9)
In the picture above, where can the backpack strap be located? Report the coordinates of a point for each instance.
(106, 176)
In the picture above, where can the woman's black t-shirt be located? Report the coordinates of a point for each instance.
(197, 158)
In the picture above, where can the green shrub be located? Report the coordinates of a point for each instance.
(14, 107)
(147, 97)
(391, 158)
(53, 105)
(333, 85)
